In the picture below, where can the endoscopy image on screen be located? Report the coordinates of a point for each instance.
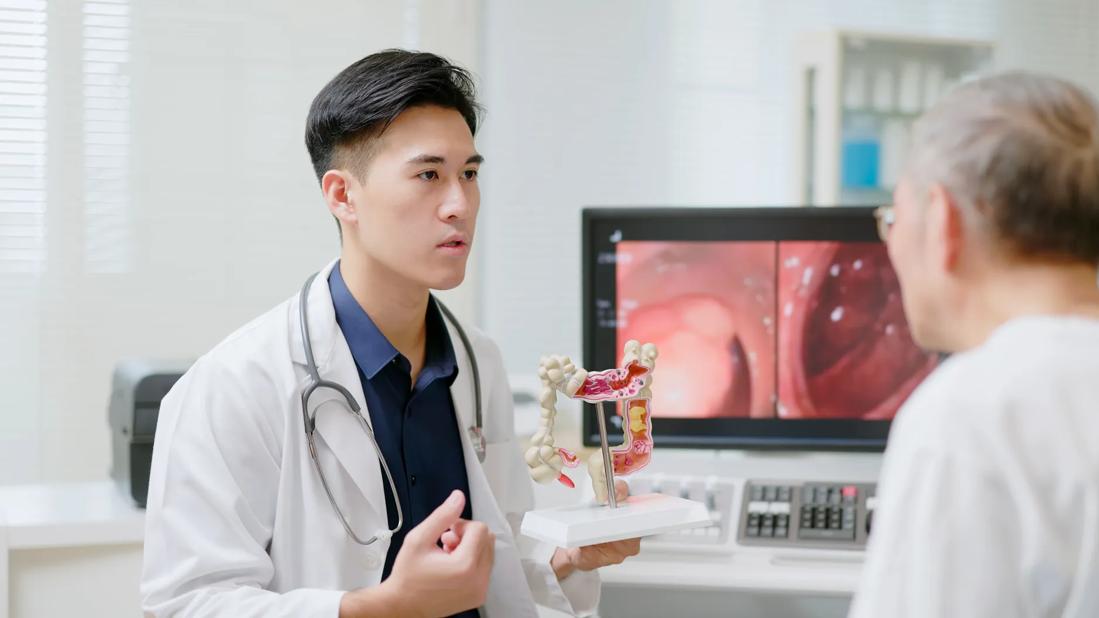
(844, 347)
(765, 329)
(710, 309)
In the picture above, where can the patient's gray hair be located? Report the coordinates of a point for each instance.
(1020, 152)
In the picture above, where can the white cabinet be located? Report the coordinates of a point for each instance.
(69, 549)
(859, 95)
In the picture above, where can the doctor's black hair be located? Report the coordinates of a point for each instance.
(355, 108)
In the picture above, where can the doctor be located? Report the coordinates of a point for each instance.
(270, 495)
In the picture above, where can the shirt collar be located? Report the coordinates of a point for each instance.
(439, 359)
(372, 351)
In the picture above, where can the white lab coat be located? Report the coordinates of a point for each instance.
(238, 523)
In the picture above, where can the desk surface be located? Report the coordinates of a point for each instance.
(69, 515)
(99, 513)
(760, 569)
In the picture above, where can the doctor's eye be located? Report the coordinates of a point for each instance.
(429, 175)
(470, 174)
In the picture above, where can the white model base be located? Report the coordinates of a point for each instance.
(638, 516)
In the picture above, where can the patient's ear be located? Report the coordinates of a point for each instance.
(945, 230)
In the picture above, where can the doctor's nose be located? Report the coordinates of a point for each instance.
(459, 204)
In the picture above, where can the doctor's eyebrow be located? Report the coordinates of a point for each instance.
(437, 160)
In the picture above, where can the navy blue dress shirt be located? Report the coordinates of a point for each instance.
(415, 424)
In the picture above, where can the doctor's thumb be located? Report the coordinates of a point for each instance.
(439, 521)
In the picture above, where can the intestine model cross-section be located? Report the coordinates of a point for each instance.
(630, 384)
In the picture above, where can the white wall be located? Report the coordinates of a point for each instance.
(615, 102)
(675, 103)
(221, 217)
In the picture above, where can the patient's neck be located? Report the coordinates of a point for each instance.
(1027, 289)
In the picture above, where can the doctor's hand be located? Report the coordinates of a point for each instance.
(429, 580)
(566, 561)
(440, 581)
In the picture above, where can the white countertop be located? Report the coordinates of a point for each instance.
(99, 513)
(760, 569)
(69, 515)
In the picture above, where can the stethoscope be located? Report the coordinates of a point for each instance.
(476, 434)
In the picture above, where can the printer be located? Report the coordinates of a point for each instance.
(137, 387)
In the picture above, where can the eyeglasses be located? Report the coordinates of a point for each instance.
(886, 218)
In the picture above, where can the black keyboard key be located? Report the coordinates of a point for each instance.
(826, 535)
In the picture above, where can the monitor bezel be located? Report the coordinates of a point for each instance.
(838, 223)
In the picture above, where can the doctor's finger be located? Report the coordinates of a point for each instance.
(625, 548)
(460, 527)
(439, 521)
(474, 537)
(621, 489)
(450, 540)
(487, 553)
(490, 550)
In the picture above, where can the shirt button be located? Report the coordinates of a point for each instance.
(412, 479)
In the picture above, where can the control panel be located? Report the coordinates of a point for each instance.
(806, 514)
(778, 513)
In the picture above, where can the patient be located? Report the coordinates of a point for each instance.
(989, 491)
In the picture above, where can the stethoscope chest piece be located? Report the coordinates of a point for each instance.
(480, 445)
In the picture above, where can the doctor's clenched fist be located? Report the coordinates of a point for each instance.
(429, 580)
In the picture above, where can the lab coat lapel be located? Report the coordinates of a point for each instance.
(461, 394)
(336, 423)
(344, 435)
(508, 592)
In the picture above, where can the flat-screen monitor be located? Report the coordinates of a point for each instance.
(776, 327)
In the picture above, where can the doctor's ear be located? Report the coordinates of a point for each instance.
(336, 186)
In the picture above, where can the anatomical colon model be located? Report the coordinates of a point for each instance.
(630, 383)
